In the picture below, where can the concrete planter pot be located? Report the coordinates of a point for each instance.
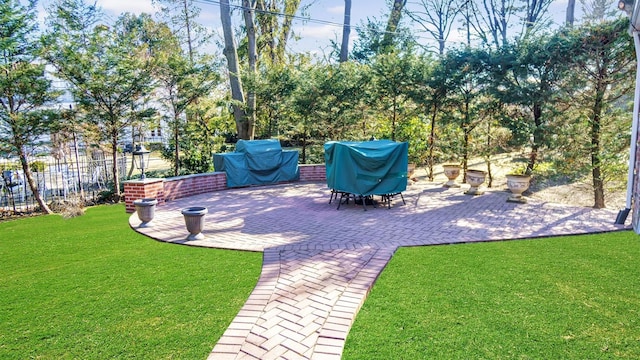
(517, 184)
(475, 178)
(451, 171)
(146, 210)
(194, 220)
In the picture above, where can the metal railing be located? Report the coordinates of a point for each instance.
(58, 180)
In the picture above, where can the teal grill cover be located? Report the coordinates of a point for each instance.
(258, 162)
(376, 167)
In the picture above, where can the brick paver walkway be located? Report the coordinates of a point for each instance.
(320, 263)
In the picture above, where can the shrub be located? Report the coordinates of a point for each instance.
(37, 166)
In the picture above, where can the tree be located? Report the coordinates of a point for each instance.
(491, 20)
(604, 63)
(571, 9)
(233, 66)
(180, 80)
(25, 91)
(275, 34)
(248, 13)
(531, 75)
(108, 71)
(429, 91)
(392, 79)
(597, 10)
(346, 30)
(465, 71)
(274, 90)
(436, 17)
(534, 12)
(181, 16)
(392, 25)
(306, 102)
(370, 41)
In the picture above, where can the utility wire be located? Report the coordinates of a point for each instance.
(305, 19)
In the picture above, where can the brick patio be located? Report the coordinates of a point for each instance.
(320, 263)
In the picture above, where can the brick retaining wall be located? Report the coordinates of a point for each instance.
(189, 185)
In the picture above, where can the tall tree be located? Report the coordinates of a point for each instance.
(465, 74)
(392, 25)
(392, 79)
(181, 15)
(25, 91)
(109, 73)
(233, 66)
(248, 12)
(429, 91)
(436, 17)
(605, 61)
(275, 19)
(530, 75)
(571, 11)
(493, 16)
(534, 14)
(370, 41)
(346, 30)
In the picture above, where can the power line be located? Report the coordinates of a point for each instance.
(306, 19)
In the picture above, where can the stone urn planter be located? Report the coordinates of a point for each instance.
(146, 210)
(194, 220)
(475, 178)
(451, 171)
(517, 184)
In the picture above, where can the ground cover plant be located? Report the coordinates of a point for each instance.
(572, 297)
(91, 288)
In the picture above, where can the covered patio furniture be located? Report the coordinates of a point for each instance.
(367, 168)
(258, 162)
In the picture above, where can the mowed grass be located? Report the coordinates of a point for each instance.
(92, 288)
(559, 298)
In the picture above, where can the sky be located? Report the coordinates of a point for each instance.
(315, 35)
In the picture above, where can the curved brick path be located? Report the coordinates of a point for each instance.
(320, 263)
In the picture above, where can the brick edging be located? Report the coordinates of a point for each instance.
(188, 185)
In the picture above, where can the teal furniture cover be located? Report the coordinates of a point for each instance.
(376, 167)
(258, 162)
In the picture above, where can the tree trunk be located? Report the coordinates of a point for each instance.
(26, 169)
(571, 7)
(346, 30)
(231, 53)
(248, 13)
(432, 141)
(114, 167)
(75, 147)
(176, 140)
(537, 137)
(488, 159)
(187, 21)
(290, 9)
(392, 25)
(304, 147)
(394, 118)
(596, 161)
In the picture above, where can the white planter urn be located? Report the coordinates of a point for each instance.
(194, 220)
(146, 210)
(475, 178)
(451, 171)
(517, 184)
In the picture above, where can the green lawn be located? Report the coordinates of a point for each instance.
(91, 288)
(559, 298)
